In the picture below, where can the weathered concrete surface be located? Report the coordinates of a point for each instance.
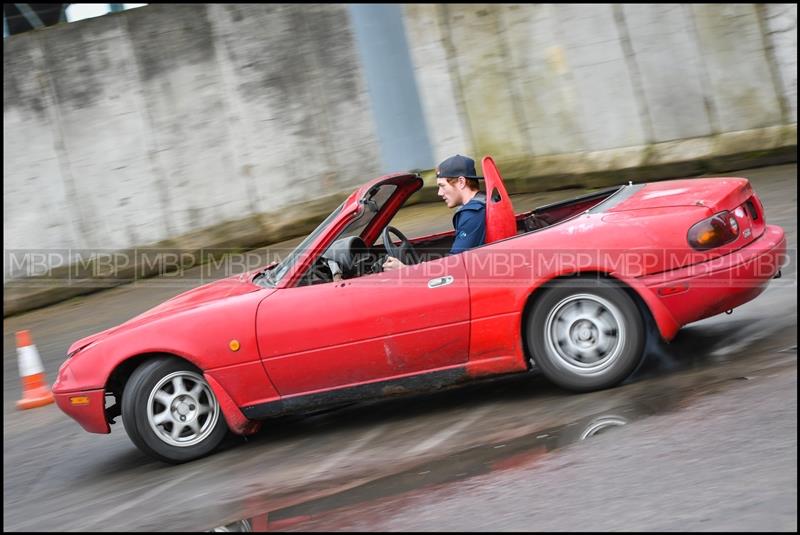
(541, 79)
(146, 125)
(744, 94)
(658, 36)
(779, 23)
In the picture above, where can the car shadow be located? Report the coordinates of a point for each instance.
(408, 406)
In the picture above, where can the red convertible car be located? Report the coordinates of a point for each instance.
(571, 289)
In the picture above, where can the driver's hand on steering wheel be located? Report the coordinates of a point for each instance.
(392, 263)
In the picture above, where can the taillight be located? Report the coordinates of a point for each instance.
(715, 231)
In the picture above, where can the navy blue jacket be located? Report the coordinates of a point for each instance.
(470, 224)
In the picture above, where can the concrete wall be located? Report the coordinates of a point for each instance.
(779, 26)
(141, 126)
(148, 125)
(591, 83)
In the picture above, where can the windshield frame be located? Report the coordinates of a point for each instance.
(287, 273)
(274, 276)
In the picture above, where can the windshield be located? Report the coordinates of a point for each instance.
(273, 276)
(374, 201)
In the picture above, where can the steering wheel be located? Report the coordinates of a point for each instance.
(404, 252)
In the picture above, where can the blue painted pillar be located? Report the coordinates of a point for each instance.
(381, 40)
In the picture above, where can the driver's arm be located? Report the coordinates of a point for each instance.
(392, 263)
(336, 271)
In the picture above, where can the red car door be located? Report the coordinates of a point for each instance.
(374, 327)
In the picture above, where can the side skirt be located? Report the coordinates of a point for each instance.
(406, 385)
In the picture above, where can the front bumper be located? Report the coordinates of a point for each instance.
(90, 412)
(709, 288)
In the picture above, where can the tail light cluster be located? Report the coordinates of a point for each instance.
(717, 230)
(751, 210)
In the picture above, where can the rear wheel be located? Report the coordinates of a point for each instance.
(585, 334)
(170, 412)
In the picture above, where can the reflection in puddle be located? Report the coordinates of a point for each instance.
(235, 527)
(601, 424)
(512, 454)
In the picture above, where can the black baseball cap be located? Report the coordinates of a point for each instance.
(456, 166)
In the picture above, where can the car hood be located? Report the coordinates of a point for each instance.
(214, 291)
(236, 285)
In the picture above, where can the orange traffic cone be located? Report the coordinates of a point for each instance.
(35, 392)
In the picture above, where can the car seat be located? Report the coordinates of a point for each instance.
(500, 220)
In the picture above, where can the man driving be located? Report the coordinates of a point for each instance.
(459, 187)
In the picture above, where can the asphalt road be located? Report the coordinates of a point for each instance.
(709, 440)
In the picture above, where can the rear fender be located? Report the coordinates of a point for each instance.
(666, 324)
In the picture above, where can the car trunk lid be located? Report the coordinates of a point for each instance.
(732, 194)
(680, 204)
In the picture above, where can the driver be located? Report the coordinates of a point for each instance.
(458, 187)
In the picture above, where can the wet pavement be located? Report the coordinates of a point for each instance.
(513, 454)
(684, 467)
(404, 502)
(702, 437)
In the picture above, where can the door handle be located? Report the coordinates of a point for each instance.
(440, 281)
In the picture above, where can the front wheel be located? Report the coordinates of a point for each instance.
(585, 334)
(170, 412)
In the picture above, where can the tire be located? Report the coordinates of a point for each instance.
(157, 395)
(585, 334)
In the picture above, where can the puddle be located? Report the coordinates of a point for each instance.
(512, 454)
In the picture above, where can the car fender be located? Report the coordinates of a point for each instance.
(238, 423)
(667, 325)
(218, 338)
